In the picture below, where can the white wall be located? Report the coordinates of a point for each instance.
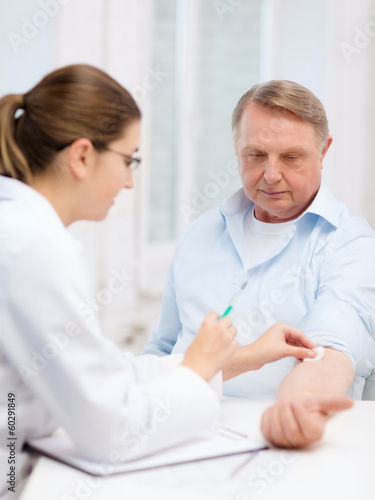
(302, 41)
(298, 43)
(114, 35)
(25, 30)
(351, 103)
(38, 36)
(306, 46)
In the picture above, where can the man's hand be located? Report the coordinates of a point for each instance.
(295, 424)
(307, 397)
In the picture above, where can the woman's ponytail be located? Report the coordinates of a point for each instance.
(12, 160)
(69, 103)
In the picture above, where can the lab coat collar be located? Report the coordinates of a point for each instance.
(13, 189)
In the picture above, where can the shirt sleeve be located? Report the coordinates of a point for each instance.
(168, 325)
(343, 314)
(102, 398)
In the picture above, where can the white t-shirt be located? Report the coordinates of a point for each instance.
(262, 238)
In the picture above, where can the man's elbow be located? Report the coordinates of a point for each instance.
(155, 349)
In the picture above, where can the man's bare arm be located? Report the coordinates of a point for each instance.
(329, 377)
(306, 398)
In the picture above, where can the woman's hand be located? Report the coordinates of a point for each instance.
(280, 341)
(212, 347)
(277, 342)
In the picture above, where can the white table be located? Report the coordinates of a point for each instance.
(341, 466)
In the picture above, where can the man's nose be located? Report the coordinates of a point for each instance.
(129, 179)
(272, 171)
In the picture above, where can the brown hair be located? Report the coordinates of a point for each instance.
(69, 103)
(284, 95)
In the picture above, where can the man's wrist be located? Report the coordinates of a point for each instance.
(298, 395)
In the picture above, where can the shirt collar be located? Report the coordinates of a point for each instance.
(323, 205)
(235, 204)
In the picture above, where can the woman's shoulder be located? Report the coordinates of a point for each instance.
(29, 236)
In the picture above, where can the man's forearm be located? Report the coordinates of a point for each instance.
(330, 377)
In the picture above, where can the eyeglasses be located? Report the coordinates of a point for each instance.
(131, 161)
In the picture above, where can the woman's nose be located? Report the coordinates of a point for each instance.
(129, 179)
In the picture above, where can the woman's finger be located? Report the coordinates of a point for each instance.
(295, 335)
(225, 322)
(230, 333)
(300, 352)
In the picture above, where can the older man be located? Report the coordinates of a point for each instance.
(306, 261)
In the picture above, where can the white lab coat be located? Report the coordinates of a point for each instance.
(55, 359)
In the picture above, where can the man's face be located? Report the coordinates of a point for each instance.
(280, 162)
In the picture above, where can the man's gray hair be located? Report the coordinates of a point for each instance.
(284, 95)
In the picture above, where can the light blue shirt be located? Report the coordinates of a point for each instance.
(320, 278)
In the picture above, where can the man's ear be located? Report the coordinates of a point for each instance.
(80, 157)
(326, 147)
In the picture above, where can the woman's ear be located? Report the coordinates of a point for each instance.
(80, 157)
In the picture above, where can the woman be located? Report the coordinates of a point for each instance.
(66, 150)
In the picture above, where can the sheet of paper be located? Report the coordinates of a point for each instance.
(60, 447)
(237, 477)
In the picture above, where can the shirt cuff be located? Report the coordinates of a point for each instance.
(329, 339)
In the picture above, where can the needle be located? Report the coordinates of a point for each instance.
(235, 298)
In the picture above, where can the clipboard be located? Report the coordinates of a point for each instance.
(60, 447)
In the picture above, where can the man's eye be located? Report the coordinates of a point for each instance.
(255, 156)
(292, 157)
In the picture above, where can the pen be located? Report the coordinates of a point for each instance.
(235, 298)
(245, 462)
(225, 431)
